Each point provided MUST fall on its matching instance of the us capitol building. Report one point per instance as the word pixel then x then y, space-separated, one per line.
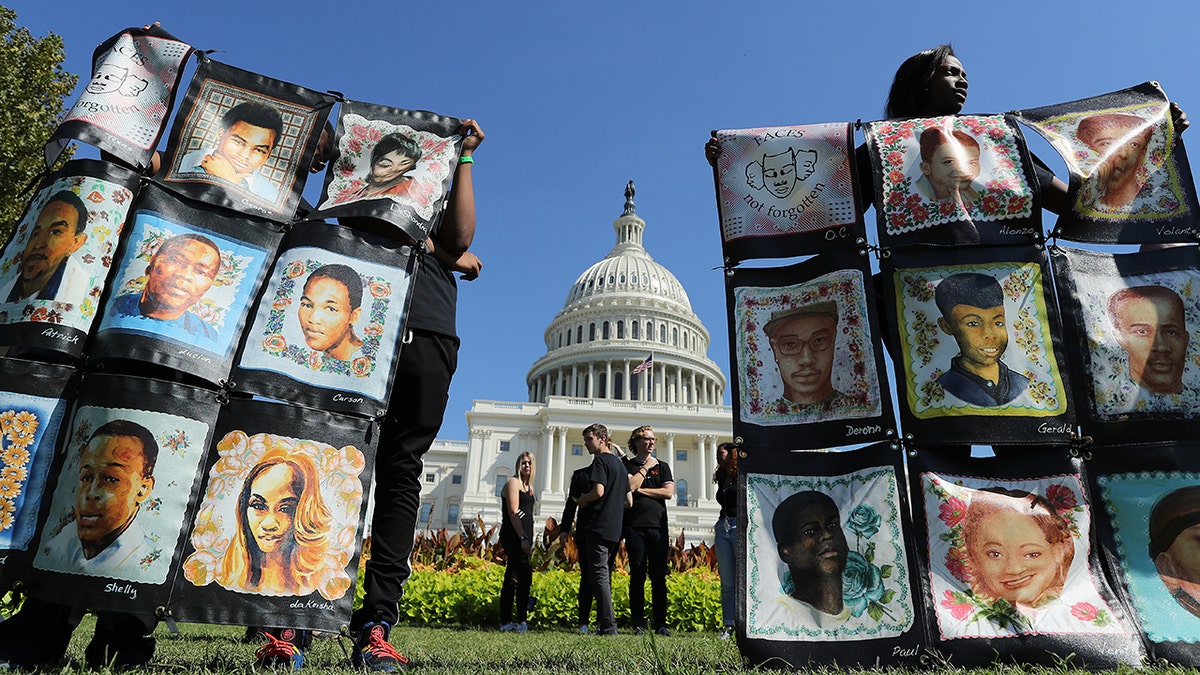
pixel 619 311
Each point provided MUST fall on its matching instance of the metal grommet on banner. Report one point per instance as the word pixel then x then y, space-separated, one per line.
pixel 163 614
pixel 1081 446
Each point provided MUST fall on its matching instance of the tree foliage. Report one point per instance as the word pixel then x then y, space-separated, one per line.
pixel 33 86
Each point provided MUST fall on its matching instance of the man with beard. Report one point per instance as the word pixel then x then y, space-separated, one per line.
pixel 972 308
pixel 44 268
pixel 802 341
pixel 1151 329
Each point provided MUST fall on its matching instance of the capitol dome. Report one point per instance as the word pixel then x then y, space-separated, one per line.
pixel 620 311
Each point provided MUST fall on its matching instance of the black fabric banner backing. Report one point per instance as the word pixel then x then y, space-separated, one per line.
pixel 829 565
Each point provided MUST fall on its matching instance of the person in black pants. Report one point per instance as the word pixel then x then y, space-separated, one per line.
pixel 602 508
pixel 427 362
pixel 646 538
pixel 516 538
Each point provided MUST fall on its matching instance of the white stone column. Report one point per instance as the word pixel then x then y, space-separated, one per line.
pixel 546 461
pixel 677 470
pixel 706 454
pixel 695 396
pixel 628 393
pixel 560 464
pixel 608 383
pixel 591 388
pixel 574 381
pixel 559 389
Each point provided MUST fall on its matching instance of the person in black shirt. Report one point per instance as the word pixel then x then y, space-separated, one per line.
pixel 646 539
pixel 602 509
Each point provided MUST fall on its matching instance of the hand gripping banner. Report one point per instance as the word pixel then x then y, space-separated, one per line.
pixel 394 165
pixel 124 109
pixel 828 574
pixel 805 341
pixel 786 191
pixel 56 265
pixel 129 468
pixel 1133 331
pixel 278 532
pixel 961 179
pixel 328 328
pixel 1148 516
pixel 185 279
pixel 33 403
pixel 980 347
pixel 244 141
pixel 1011 565
pixel 1130 178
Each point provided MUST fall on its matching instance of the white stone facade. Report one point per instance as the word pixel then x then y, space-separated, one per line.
pixel 621 310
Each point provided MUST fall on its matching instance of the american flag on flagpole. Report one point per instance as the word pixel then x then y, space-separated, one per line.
pixel 644 365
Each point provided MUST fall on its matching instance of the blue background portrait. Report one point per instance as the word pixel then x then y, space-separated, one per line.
pixel 222 306
pixel 49 414
pixel 1129 499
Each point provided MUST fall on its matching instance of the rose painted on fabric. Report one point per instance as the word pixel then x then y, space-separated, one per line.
pixel 1085 611
pixel 1061 497
pixel 896 199
pixel 862 583
pixel 1016 204
pixel 361 366
pixel 275 344
pixel 373 330
pixel 295 269
pixel 380 289
pixel 354 145
pixel 375 135
pixel 953 511
pixel 990 204
pixel 200 568
pixel 896 158
pixel 959 608
pixel 359 131
pixel 316 359
pixel 895 175
pixel 919 212
pixel 864 521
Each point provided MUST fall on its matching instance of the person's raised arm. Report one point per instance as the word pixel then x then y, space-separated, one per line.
pixel 458 227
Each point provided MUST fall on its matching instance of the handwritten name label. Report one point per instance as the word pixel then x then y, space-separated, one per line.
pixel 1047 428
pixel 127 589
pixel 859 431
pixel 902 651
pixel 59 335
pixel 312 604
pixel 1027 231
pixel 195 356
pixel 340 398
pixel 1165 231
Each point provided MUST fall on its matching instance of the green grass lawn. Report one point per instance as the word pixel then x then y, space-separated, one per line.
pixel 473 651
pixel 470 651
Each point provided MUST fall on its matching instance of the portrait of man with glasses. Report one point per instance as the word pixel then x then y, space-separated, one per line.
pixel 802 340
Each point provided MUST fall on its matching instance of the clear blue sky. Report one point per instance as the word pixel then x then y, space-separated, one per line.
pixel 578 98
